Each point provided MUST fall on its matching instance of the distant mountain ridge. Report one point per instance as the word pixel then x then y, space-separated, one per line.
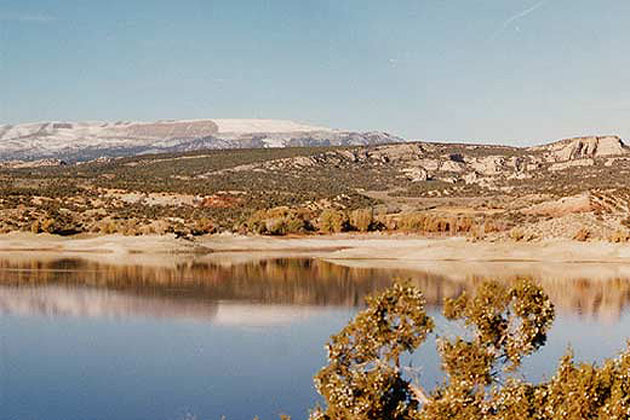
pixel 76 141
pixel 88 140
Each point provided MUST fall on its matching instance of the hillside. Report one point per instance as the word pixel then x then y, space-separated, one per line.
pixel 77 141
pixel 574 188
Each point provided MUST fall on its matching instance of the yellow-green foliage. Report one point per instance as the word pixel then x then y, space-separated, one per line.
pixel 582 235
pixel 279 221
pixel 204 226
pixel 48 226
pixel 362 219
pixel 333 221
pixel 621 235
pixel 36 226
pixel 434 223
pixel 363 379
pixel 490 226
pixel 517 234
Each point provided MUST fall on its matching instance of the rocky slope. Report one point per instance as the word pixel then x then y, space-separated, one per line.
pixel 492 167
pixel 89 140
pixel 582 148
pixel 571 188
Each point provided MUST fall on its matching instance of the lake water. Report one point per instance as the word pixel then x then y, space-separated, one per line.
pixel 202 339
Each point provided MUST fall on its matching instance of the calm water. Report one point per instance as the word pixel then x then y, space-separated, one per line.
pixel 199 340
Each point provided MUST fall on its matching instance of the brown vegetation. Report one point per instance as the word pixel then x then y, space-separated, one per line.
pixel 582 235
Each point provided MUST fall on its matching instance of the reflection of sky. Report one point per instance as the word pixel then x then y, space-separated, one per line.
pixel 86 302
pixel 71 368
pixel 591 340
pixel 251 315
pixel 81 368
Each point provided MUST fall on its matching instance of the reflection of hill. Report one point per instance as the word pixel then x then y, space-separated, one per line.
pixel 606 300
pixel 195 286
pixel 282 281
pixel 595 290
pixel 90 302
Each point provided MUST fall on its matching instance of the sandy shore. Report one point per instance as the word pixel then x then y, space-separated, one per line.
pixel 413 249
pixel 371 247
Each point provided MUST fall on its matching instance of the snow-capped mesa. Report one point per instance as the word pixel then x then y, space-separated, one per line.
pixel 250 126
pixel 76 141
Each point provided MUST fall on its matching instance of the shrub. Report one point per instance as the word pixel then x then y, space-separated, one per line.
pixel 279 221
pixel 362 219
pixel 434 223
pixel 364 380
pixel 582 235
pixel 48 226
pixel 477 232
pixel 275 226
pixel 333 221
pixel 411 222
pixel 36 226
pixel 108 227
pixel 620 236
pixel 491 226
pixel 297 224
pixel 516 234
pixel 203 226
pixel 465 224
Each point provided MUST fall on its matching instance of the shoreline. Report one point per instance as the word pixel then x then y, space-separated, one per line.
pixel 348 247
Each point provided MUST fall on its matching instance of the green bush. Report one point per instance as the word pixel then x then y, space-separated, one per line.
pixel 364 380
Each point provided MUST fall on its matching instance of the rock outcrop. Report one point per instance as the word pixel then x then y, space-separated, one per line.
pixel 582 148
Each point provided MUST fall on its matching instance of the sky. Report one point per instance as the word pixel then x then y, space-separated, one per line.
pixel 493 71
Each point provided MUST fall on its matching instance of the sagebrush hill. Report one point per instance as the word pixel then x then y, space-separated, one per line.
pixel 575 189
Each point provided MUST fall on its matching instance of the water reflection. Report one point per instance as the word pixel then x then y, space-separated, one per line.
pixel 273 289
pixel 85 336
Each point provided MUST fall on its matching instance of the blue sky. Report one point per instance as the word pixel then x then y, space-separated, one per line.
pixel 501 71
